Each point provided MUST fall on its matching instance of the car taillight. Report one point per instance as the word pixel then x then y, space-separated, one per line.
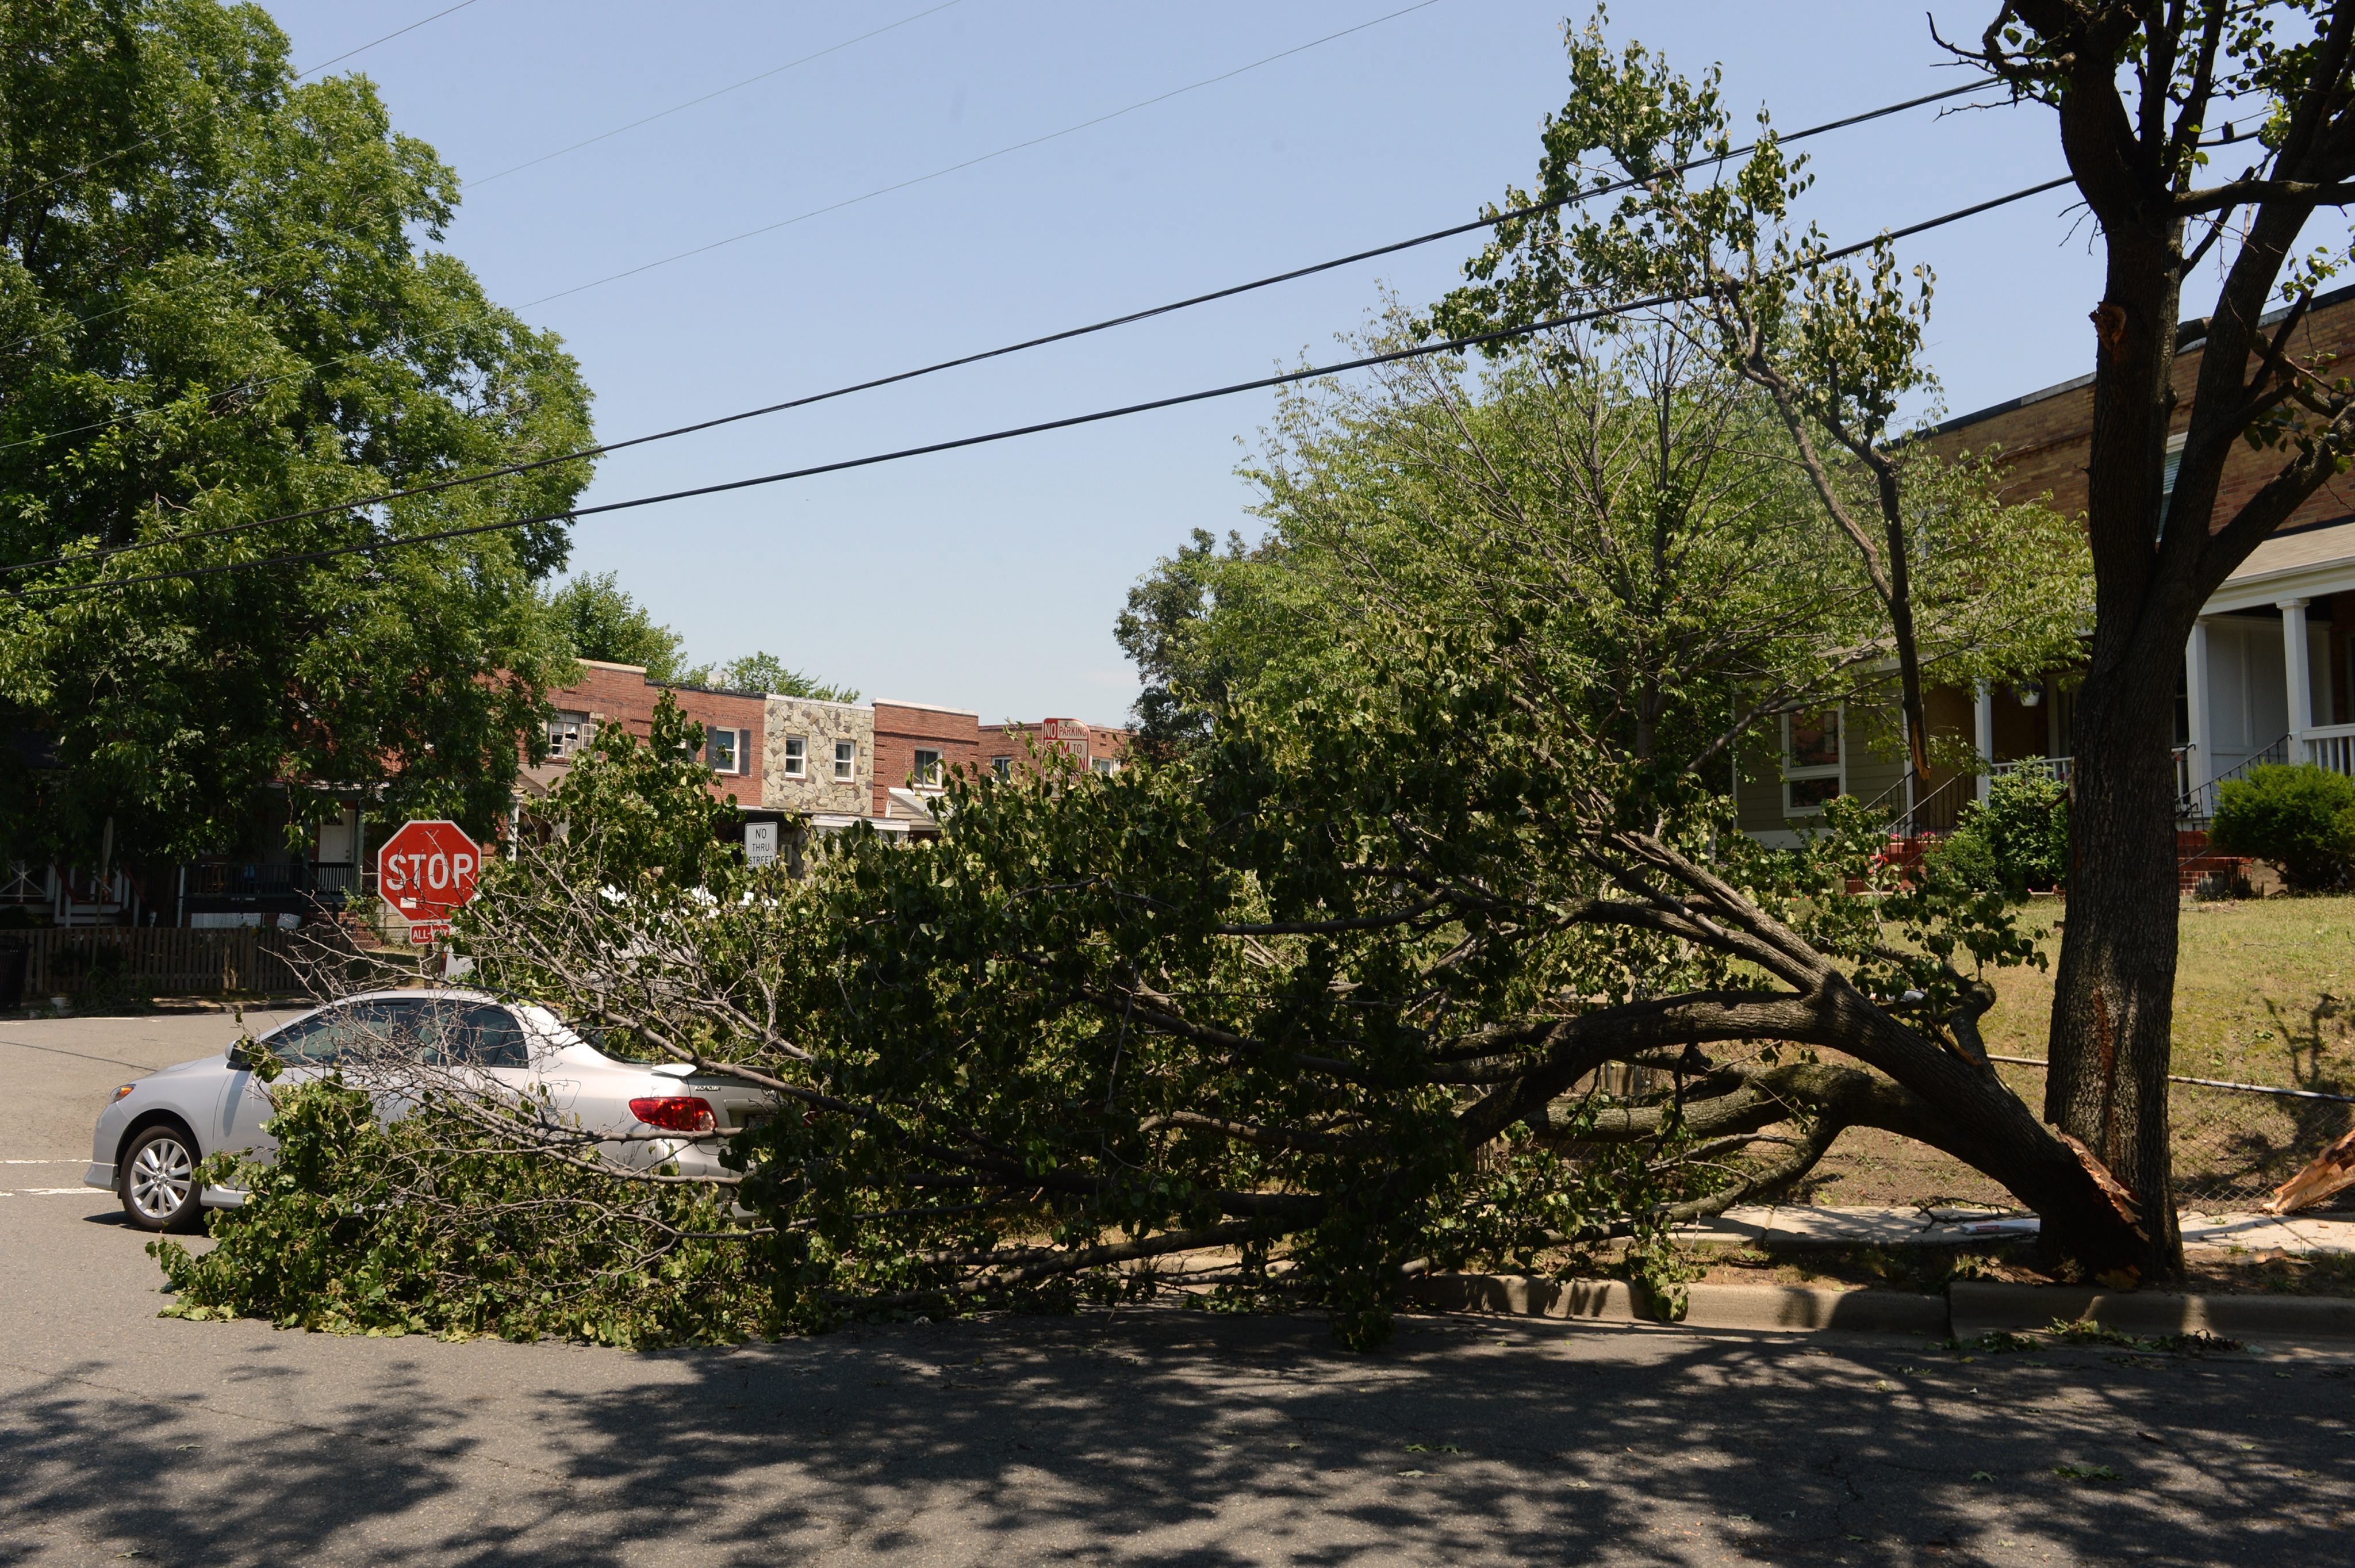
pixel 676 1113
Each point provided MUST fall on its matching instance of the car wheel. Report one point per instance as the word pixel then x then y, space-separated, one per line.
pixel 159 1180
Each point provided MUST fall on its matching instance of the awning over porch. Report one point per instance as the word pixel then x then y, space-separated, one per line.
pixel 2311 563
pixel 2265 667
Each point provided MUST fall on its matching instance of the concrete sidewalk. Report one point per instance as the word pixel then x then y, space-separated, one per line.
pixel 1797 1226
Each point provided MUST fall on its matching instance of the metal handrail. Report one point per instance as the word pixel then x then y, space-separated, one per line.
pixel 2205 1082
pixel 250 880
pixel 2200 804
pixel 1940 810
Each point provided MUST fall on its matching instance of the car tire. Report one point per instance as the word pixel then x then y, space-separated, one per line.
pixel 159 1181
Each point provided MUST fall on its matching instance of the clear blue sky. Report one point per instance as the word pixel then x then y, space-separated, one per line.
pixel 990 579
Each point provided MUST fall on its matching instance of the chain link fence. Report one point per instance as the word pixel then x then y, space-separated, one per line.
pixel 2235 1143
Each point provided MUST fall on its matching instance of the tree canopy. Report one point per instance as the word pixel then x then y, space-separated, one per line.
pixel 603 622
pixel 222 302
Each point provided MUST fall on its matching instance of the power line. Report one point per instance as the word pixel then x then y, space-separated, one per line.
pixel 372 43
pixel 983 158
pixel 1070 421
pixel 313 71
pixel 748 234
pixel 937 367
pixel 716 92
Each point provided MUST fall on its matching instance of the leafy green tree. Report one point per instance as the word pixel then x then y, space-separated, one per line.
pixel 1181 628
pixel 1834 348
pixel 359 1228
pixel 631 811
pixel 221 304
pixel 1327 982
pixel 767 674
pixel 601 621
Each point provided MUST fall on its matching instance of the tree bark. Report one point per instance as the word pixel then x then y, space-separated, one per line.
pixel 2113 997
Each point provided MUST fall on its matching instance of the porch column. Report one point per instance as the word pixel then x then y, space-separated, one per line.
pixel 2201 714
pixel 2299 674
pixel 1983 724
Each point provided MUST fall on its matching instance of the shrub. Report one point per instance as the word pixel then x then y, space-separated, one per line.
pixel 2019 839
pixel 2300 817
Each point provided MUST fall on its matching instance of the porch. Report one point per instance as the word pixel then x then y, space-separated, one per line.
pixel 2269 670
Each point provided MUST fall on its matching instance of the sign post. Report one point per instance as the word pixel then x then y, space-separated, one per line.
pixel 425 871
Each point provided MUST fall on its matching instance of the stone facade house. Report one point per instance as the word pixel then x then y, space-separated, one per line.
pixel 818 760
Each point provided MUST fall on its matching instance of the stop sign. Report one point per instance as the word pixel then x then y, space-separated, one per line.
pixel 426 870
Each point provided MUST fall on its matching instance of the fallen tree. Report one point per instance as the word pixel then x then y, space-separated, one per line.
pixel 1323 995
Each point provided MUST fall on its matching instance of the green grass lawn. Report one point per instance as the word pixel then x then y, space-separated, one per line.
pixel 2262 993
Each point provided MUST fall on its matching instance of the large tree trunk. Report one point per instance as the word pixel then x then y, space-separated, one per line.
pixel 2113 997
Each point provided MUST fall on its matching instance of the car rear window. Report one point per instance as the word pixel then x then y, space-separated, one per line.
pixel 472 1035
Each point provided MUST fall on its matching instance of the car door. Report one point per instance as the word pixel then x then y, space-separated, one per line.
pixel 307 1050
pixel 475 1038
pixel 245 1098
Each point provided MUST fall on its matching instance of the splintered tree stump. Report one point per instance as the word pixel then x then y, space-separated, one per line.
pixel 2331 1171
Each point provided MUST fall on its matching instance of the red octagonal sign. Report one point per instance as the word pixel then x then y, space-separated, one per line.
pixel 426 870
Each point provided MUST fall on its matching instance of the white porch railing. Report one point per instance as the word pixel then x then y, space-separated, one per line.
pixel 2054 768
pixel 2330 746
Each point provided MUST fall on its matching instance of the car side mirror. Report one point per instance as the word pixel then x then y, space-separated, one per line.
pixel 239 1056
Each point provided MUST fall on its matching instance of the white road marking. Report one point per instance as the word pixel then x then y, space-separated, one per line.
pixel 42 1162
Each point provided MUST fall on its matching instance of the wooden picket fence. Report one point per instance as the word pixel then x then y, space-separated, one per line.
pixel 159 960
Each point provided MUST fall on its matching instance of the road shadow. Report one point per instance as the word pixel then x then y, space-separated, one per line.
pixel 1169 1438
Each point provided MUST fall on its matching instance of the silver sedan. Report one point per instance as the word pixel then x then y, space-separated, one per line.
pixel 151 1139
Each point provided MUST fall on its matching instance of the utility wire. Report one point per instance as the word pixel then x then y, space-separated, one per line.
pixel 716 92
pixel 841 465
pixel 134 146
pixel 766 229
pixel 372 43
pixel 982 158
pixel 1065 334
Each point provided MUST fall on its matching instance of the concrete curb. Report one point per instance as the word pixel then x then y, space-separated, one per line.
pixel 1778 1306
pixel 1970 1307
pixel 1985 1307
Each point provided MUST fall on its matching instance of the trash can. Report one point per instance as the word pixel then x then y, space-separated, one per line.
pixel 14 957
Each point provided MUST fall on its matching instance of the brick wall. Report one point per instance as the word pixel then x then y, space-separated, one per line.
pixel 1088 742
pixel 902 729
pixel 621 694
pixel 2045 437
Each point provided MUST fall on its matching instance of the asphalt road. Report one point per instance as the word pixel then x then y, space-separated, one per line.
pixel 1145 1437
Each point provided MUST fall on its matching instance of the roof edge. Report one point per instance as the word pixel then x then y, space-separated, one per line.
pixel 2330 297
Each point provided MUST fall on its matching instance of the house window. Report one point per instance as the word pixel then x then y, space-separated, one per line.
pixel 724 750
pixel 846 759
pixel 796 756
pixel 1002 766
pixel 927 770
pixel 1812 760
pixel 568 733
pixel 1104 765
